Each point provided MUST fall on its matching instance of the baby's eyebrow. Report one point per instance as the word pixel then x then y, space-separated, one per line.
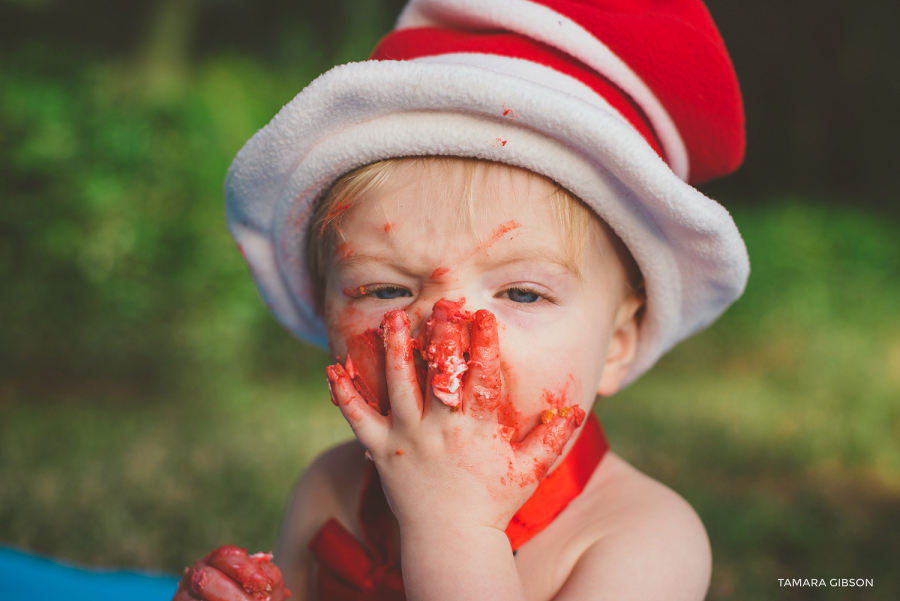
pixel 410 266
pixel 356 259
pixel 353 258
pixel 534 255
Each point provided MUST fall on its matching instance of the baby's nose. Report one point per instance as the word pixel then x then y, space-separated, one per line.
pixel 423 308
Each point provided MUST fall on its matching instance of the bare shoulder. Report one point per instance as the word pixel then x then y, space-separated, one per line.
pixel 331 481
pixel 638 539
pixel 329 488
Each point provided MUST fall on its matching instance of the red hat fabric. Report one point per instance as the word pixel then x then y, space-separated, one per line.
pixel 662 65
pixel 619 101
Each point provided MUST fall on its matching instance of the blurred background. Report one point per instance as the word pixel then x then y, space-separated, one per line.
pixel 151 409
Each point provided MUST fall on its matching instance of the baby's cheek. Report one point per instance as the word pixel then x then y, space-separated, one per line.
pixel 365 364
pixel 537 384
pixel 343 323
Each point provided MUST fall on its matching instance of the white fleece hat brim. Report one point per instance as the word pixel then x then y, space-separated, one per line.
pixel 689 250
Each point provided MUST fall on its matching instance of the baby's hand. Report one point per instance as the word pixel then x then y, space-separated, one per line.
pixel 442 451
pixel 229 574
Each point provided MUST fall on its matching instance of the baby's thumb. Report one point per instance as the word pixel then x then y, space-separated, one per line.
pixel 548 439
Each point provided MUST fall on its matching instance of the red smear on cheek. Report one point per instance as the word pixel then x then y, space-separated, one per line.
pixel 438 272
pixel 553 401
pixel 388 227
pixel 348 321
pixel 365 365
pixel 343 250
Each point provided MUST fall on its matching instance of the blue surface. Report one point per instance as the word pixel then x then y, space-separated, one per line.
pixel 35 578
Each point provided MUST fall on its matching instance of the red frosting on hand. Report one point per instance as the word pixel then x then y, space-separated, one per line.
pixel 484 358
pixel 456 353
pixel 365 364
pixel 229 574
pixel 444 344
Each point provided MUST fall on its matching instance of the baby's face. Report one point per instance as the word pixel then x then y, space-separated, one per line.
pixel 409 244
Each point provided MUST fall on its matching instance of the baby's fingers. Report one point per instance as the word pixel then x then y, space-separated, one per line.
pixel 403 387
pixel 367 423
pixel 247 570
pixel 279 591
pixel 208 583
pixel 546 442
pixel 484 386
pixel 444 345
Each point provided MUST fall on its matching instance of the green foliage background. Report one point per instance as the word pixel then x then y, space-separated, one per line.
pixel 150 408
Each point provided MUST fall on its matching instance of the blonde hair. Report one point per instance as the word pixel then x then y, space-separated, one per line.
pixel 573 217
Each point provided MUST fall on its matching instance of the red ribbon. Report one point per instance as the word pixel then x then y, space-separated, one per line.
pixel 560 486
pixel 349 571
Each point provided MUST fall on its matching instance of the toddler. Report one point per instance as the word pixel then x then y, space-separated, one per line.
pixel 489 225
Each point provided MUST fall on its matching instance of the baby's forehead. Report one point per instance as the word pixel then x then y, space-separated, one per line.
pixel 473 184
pixel 463 188
pixel 478 203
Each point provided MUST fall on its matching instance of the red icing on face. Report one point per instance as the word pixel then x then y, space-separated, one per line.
pixel 365 365
pixel 355 292
pixel 336 211
pixel 438 273
pixel 343 250
pixel 504 228
pixel 501 231
pixel 553 401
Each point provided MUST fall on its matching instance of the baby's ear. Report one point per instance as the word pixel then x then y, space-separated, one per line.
pixel 622 346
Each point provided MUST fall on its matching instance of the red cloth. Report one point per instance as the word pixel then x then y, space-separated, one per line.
pixel 351 571
pixel 673 46
pixel 406 44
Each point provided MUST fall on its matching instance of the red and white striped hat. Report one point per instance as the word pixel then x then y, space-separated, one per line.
pixel 622 102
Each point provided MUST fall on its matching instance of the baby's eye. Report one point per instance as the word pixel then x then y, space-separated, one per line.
pixel 522 295
pixel 388 292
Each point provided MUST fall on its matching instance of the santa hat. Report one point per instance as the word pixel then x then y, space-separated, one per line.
pixel 622 102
